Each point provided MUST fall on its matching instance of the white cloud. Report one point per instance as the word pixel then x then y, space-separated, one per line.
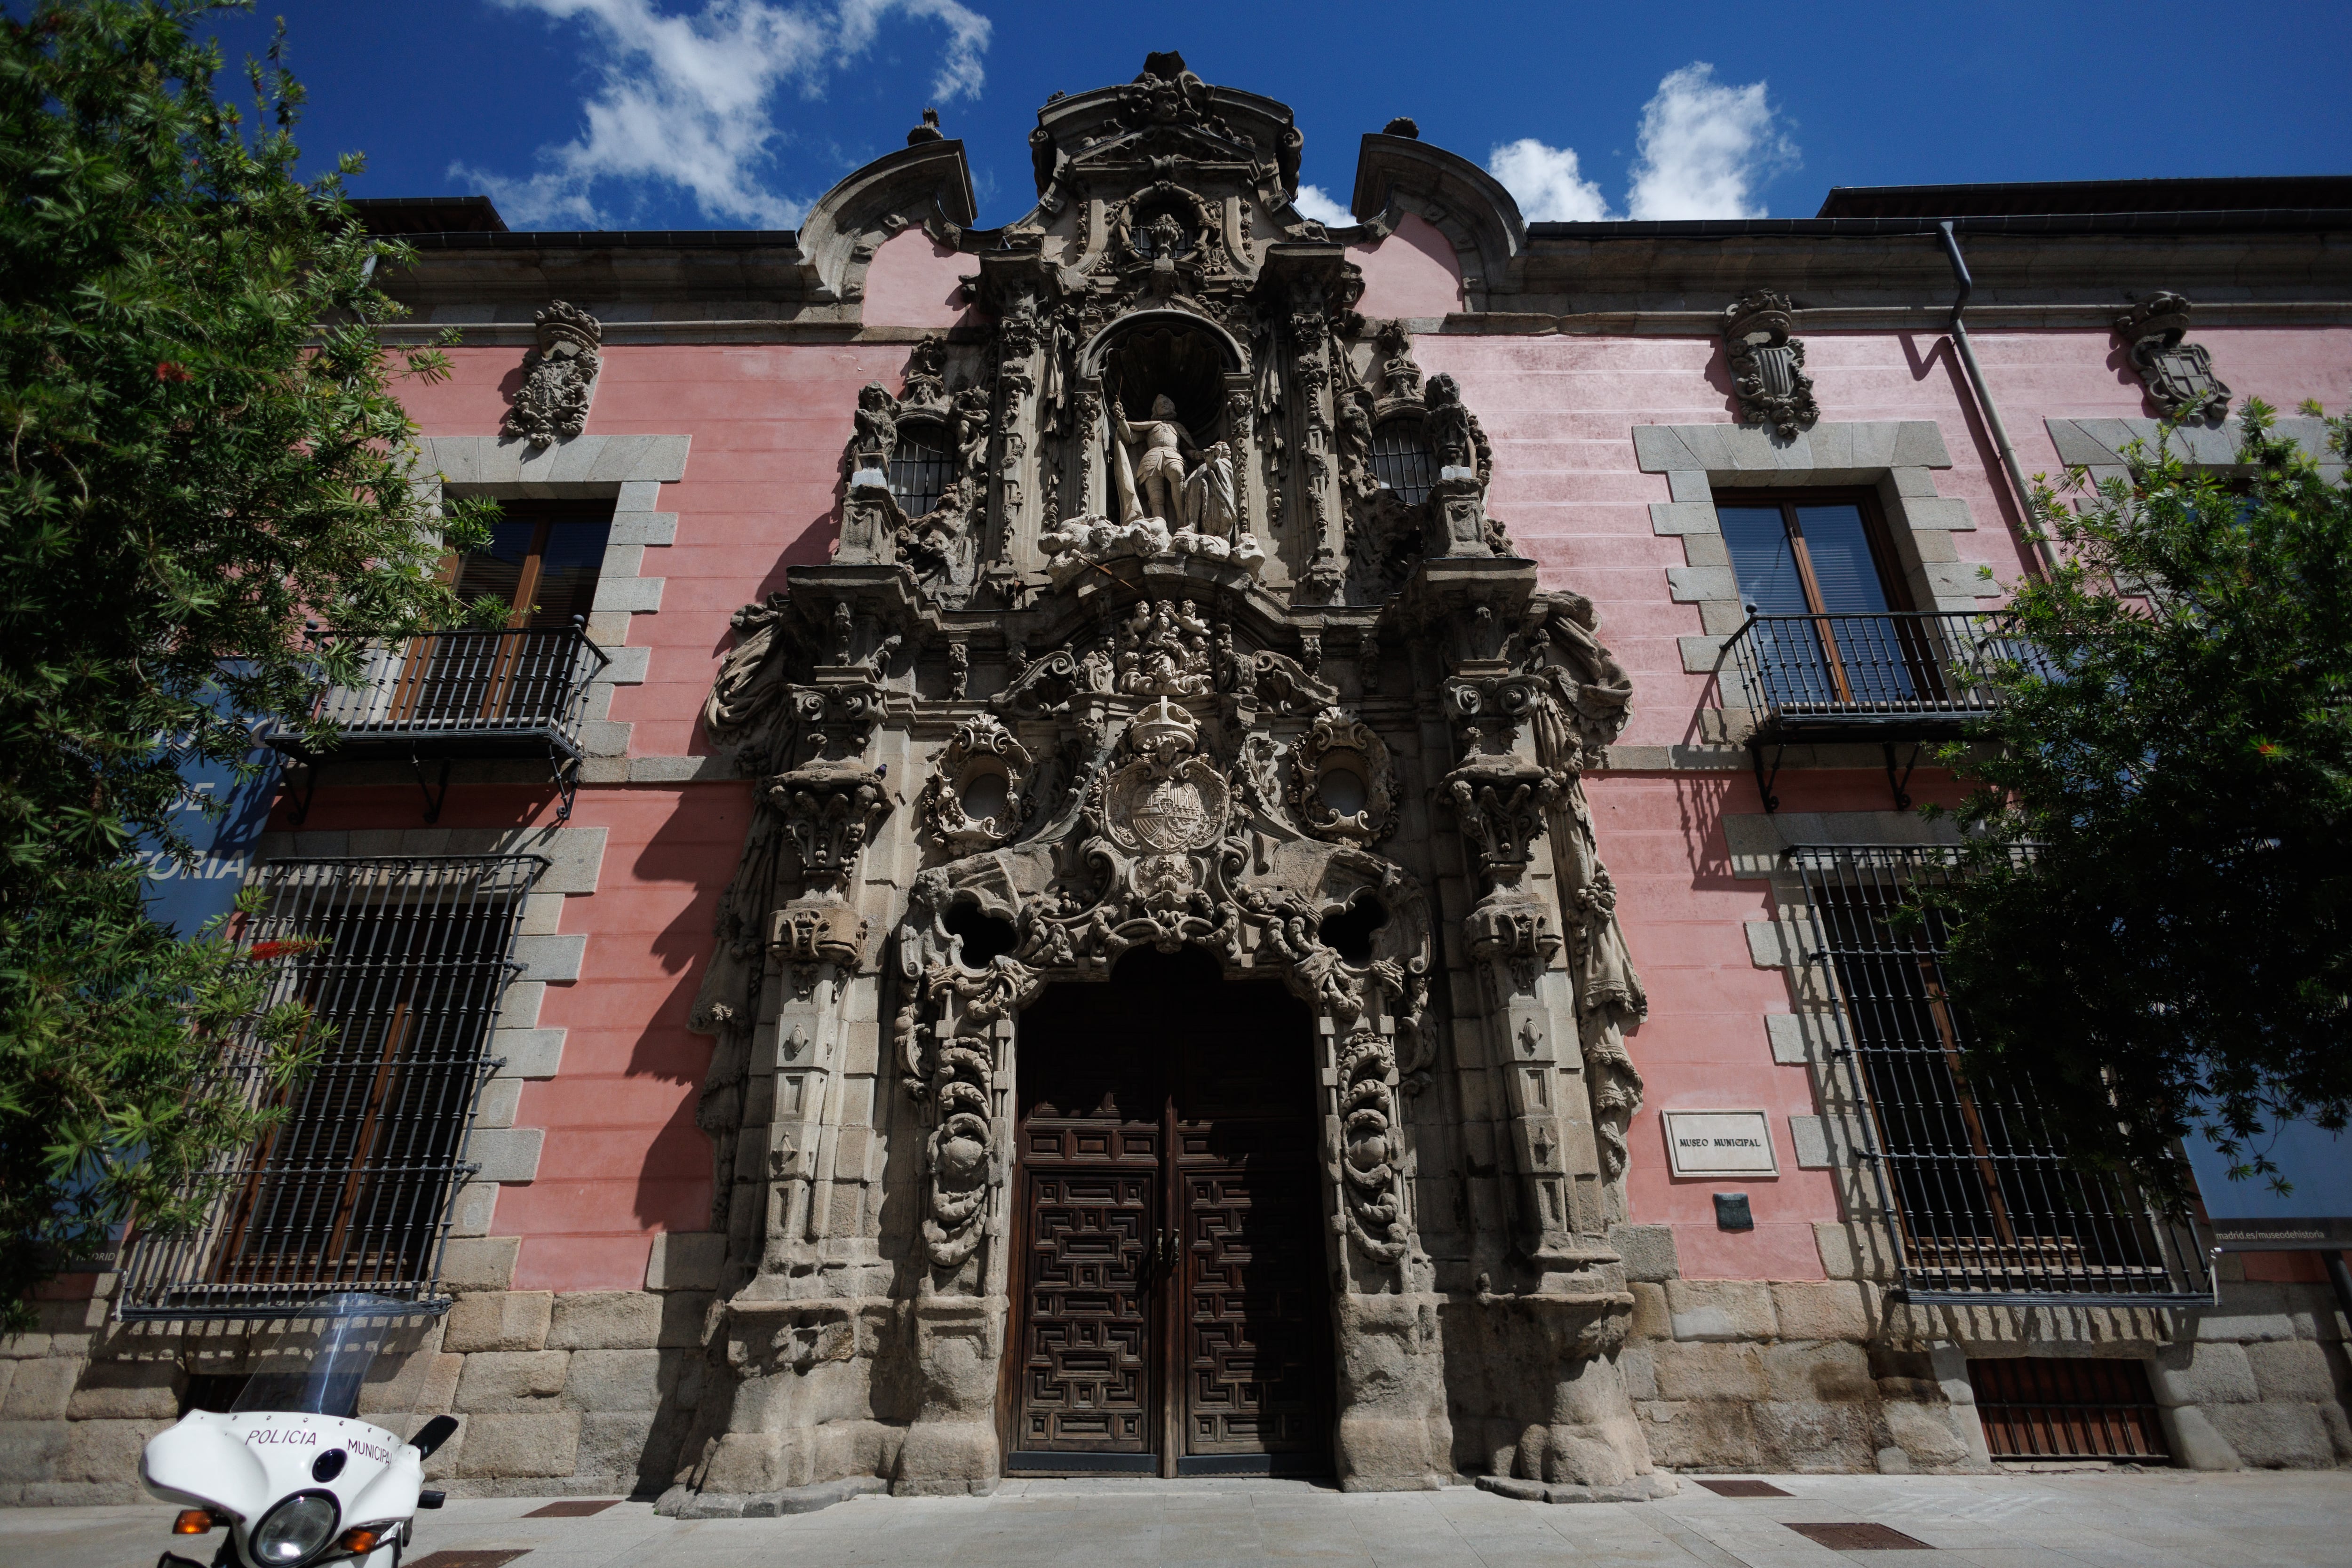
pixel 1546 183
pixel 1703 148
pixel 1314 204
pixel 684 99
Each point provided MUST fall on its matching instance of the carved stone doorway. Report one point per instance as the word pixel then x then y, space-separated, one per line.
pixel 1171 1304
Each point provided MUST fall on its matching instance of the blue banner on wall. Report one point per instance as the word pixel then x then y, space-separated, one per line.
pixel 185 897
pixel 2250 1216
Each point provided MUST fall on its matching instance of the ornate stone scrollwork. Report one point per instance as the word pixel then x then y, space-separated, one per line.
pixel 559 377
pixel 1369 1157
pixel 2179 375
pixel 976 796
pixel 1767 365
pixel 1343 782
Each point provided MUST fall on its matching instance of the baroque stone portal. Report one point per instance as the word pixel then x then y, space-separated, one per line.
pixel 1197 684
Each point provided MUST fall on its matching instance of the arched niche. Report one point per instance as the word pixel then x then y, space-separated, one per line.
pixel 1148 353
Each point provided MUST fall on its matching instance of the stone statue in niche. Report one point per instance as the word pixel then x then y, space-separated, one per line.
pixel 877 426
pixel 1211 505
pixel 939 546
pixel 1152 484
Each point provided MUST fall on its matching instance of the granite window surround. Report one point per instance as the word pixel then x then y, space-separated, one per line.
pixel 629 470
pixel 1896 458
pixel 2097 445
pixel 1808 1034
pixel 575 856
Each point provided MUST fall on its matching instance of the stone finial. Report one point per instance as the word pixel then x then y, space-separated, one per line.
pixel 2179 375
pixel 1402 125
pixel 929 131
pixel 1767 365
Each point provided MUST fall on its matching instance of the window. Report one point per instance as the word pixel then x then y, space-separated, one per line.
pixel 920 469
pixel 1829 628
pixel 1400 459
pixel 1982 1204
pixel 2067 1407
pixel 1811 557
pixel 352 1190
pixel 541 561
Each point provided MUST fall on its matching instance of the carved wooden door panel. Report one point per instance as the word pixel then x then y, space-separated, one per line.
pixel 1256 1364
pixel 1171 1311
pixel 1090 1143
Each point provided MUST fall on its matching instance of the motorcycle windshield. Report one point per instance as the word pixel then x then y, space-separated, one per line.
pixel 316 1365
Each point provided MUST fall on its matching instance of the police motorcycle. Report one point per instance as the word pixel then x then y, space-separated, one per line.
pixel 289 1471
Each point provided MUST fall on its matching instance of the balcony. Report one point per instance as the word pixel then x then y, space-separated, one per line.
pixel 1891 676
pixel 445 697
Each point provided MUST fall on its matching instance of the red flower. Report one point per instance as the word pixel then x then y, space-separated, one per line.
pixel 170 369
pixel 275 949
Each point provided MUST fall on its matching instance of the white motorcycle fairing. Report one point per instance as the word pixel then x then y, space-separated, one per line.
pixel 245 1465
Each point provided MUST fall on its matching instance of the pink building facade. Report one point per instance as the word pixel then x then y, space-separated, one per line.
pixel 1509 702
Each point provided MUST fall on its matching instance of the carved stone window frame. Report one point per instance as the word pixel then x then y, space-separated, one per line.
pixel 630 471
pixel 1894 459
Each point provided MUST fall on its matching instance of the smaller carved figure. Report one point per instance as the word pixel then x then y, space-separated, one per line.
pixel 558 375
pixel 926 367
pixel 968 427
pixel 1154 487
pixel 1400 377
pixel 1355 435
pixel 1210 506
pixel 876 431
pixel 937 545
pixel 1451 430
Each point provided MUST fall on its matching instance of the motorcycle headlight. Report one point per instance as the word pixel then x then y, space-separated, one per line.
pixel 294 1530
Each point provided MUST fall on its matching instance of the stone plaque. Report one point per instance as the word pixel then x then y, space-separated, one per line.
pixel 1720 1144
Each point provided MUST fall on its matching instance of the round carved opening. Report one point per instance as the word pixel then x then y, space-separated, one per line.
pixel 987 797
pixel 1340 785
pixel 1186 364
pixel 1348 933
pixel 985 936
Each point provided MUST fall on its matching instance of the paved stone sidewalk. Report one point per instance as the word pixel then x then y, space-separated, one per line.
pixel 2120 1520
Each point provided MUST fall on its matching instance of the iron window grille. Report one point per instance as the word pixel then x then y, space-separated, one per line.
pixel 1977 1196
pixel 445 696
pixel 354 1190
pixel 1400 459
pixel 918 471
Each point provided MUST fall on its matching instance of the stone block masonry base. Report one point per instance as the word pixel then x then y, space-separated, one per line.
pixel 1829 1375
pixel 594 1393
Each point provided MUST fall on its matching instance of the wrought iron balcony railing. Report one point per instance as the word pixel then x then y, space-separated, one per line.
pixel 447 696
pixel 1886 676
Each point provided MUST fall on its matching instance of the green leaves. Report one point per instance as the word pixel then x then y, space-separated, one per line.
pixel 2175 957
pixel 192 466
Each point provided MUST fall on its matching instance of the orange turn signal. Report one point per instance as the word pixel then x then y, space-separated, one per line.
pixel 193 1521
pixel 362 1540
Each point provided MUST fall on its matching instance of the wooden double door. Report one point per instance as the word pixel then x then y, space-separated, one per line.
pixel 1171 1308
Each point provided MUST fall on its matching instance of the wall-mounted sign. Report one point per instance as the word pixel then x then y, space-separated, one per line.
pixel 2248 1214
pixel 1720 1144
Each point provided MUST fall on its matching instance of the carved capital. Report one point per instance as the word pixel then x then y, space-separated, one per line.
pixel 830 809
pixel 1501 804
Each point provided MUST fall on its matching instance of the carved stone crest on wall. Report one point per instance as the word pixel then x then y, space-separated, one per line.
pixel 1343 783
pixel 1167 800
pixel 2179 375
pixel 1767 365
pixel 559 377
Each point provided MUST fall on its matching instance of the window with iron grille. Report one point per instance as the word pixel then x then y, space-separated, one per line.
pixel 1400 459
pixel 352 1190
pixel 918 468
pixel 1981 1204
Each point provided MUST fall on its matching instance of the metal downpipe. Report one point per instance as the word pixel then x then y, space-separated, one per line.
pixel 1984 396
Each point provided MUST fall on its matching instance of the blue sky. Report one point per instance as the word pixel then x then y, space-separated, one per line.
pixel 738 113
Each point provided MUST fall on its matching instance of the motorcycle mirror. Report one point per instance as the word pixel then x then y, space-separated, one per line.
pixel 433 1434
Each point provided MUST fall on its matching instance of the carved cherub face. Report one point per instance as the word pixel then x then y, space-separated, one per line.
pixel 1163 407
pixel 874 397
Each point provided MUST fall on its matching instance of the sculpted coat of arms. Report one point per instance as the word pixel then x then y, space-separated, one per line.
pixel 1167 800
